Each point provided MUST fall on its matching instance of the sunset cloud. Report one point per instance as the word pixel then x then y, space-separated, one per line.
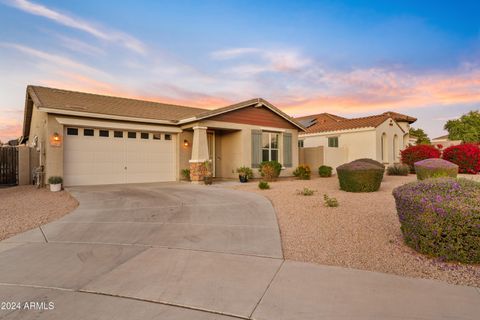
pixel 101 33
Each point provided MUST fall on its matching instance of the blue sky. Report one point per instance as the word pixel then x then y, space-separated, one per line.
pixel 351 58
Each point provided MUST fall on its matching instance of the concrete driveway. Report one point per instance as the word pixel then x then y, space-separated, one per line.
pixel 177 251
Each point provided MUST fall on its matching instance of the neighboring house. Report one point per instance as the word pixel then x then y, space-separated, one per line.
pixel 379 137
pixel 445 142
pixel 93 139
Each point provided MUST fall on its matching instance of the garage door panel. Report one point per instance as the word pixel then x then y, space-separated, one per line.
pixel 109 160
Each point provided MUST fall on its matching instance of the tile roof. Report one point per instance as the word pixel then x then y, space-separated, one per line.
pixel 109 105
pixel 82 102
pixel 325 122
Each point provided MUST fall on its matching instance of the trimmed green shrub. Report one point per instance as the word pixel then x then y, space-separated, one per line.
pixel 186 174
pixel 270 170
pixel 435 168
pixel 330 202
pixel 441 217
pixel 398 170
pixel 325 171
pixel 417 153
pixel 371 161
pixel 359 176
pixel 306 192
pixel 302 172
pixel 55 180
pixel 263 185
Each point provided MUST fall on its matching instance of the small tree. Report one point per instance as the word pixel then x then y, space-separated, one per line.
pixel 422 137
pixel 467 128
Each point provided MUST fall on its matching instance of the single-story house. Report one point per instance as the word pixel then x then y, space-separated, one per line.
pixel 91 139
pixel 445 142
pixel 379 137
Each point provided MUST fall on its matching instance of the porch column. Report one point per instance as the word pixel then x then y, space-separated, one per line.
pixel 199 154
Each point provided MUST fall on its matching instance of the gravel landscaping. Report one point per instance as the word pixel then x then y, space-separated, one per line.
pixel 362 233
pixel 26 207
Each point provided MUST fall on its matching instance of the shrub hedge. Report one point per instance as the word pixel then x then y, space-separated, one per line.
pixel 435 168
pixel 371 161
pixel 414 154
pixel 466 156
pixel 325 171
pixel 398 170
pixel 441 217
pixel 270 170
pixel 263 185
pixel 360 176
pixel 302 172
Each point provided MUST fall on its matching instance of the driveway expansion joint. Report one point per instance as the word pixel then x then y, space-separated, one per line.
pixel 266 289
pixel 43 233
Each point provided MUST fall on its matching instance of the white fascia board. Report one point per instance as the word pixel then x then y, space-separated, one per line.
pixel 78 122
pixel 103 116
pixel 329 133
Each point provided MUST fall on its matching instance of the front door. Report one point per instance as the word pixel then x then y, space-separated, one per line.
pixel 211 149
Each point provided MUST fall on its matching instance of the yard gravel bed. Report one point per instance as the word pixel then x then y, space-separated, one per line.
pixel 362 233
pixel 25 207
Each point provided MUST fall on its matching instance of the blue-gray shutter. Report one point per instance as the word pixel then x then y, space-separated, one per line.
pixel 256 148
pixel 287 149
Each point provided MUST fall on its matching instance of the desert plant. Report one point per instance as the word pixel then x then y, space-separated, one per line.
pixel 466 156
pixel 306 192
pixel 263 185
pixel 398 170
pixel 417 153
pixel 302 172
pixel 270 170
pixel 55 180
pixel 245 171
pixel 325 171
pixel 371 161
pixel 330 202
pixel 435 168
pixel 186 174
pixel 359 176
pixel 441 217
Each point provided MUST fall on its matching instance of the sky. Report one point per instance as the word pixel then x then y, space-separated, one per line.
pixel 352 58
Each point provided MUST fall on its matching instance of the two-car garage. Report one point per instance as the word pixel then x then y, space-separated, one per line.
pixel 93 156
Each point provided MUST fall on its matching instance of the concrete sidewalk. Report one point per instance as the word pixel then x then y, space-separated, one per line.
pixel 89 267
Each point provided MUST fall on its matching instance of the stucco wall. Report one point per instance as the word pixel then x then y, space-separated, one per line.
pixel 390 131
pixel 355 144
pixel 54 158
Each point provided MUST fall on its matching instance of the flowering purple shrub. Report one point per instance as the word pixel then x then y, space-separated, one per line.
pixel 435 168
pixel 441 217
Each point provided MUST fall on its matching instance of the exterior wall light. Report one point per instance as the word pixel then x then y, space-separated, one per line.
pixel 185 143
pixel 55 140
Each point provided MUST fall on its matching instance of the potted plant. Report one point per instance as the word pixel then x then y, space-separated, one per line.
pixel 244 173
pixel 186 174
pixel 208 177
pixel 55 183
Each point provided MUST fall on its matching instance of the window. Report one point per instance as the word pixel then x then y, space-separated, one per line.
pixel 88 132
pixel 270 142
pixel 333 142
pixel 300 143
pixel 168 137
pixel 118 134
pixel 103 133
pixel 144 135
pixel 157 136
pixel 72 131
pixel 132 135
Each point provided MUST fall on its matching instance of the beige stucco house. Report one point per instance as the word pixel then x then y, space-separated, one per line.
pixel 91 139
pixel 379 137
pixel 445 142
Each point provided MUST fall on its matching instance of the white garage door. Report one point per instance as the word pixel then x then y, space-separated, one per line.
pixel 97 156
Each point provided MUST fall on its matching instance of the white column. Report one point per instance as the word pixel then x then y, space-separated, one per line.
pixel 199 145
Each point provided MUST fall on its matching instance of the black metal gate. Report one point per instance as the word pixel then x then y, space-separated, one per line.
pixel 8 166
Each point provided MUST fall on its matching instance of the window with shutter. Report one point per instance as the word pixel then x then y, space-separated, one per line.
pixel 287 150
pixel 256 148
